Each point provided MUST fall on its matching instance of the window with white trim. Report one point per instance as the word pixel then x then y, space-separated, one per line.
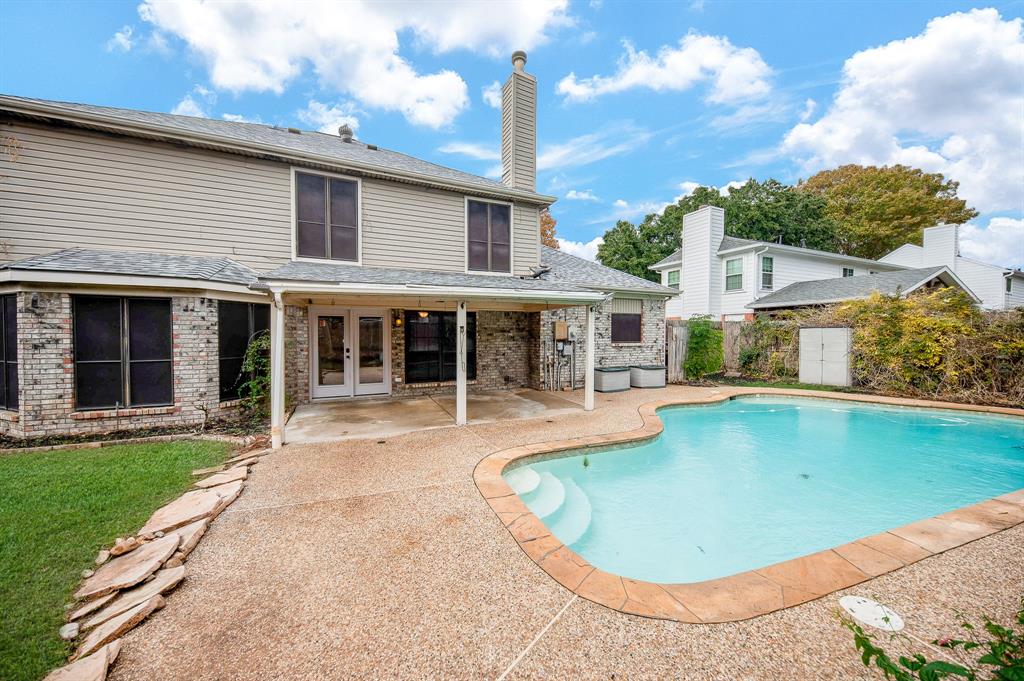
pixel 1009 284
pixel 847 271
pixel 326 217
pixel 734 274
pixel 673 278
pixel 767 272
pixel 488 236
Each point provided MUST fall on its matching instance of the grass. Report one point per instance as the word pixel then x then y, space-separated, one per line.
pixel 57 510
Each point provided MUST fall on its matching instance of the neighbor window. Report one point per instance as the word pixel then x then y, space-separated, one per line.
pixel 1009 285
pixel 237 324
pixel 734 274
pixel 767 272
pixel 847 271
pixel 489 236
pixel 8 352
pixel 627 320
pixel 673 278
pixel 326 217
pixel 430 352
pixel 122 351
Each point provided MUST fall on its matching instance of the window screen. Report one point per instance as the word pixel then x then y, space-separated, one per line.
pixel 8 352
pixel 237 324
pixel 489 236
pixel 326 217
pixel 430 350
pixel 122 351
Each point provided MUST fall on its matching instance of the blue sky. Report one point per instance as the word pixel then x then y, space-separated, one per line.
pixel 638 102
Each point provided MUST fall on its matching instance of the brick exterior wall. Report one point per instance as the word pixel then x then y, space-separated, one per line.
pixel 46 372
pixel 296 355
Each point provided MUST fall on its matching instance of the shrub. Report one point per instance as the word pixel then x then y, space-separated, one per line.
pixel 255 390
pixel 705 353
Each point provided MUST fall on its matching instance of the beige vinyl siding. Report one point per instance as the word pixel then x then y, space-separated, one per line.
pixel 518 131
pixel 75 188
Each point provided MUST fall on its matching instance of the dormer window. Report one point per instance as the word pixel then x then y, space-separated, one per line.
pixel 326 217
pixel 488 237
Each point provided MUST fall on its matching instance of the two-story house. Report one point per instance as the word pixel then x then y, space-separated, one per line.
pixel 142 251
pixel 730 278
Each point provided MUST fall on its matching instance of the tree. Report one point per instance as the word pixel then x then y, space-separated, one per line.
pixel 547 229
pixel 623 250
pixel 877 210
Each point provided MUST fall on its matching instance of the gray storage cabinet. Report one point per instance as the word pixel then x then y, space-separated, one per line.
pixel 611 379
pixel 825 356
pixel 647 376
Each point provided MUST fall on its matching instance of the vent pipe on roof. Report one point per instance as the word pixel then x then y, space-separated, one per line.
pixel 345 132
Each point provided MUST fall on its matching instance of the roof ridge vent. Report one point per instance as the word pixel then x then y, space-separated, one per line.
pixel 295 131
pixel 345 132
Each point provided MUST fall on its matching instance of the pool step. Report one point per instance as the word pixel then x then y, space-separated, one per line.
pixel 547 497
pixel 523 480
pixel 573 518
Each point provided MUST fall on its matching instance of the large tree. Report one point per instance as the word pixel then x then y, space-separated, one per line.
pixel 547 229
pixel 876 210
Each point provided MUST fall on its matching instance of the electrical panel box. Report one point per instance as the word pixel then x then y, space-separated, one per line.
pixel 561 331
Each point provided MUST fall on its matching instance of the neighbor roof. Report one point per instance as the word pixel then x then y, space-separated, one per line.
pixel 140 264
pixel 568 268
pixel 822 291
pixel 732 243
pixel 313 146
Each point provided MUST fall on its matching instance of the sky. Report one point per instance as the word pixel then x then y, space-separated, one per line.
pixel 638 103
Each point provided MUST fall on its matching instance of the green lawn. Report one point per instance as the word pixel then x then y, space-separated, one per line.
pixel 57 510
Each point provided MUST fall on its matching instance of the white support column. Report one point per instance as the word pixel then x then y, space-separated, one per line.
pixel 588 378
pixel 277 372
pixel 460 364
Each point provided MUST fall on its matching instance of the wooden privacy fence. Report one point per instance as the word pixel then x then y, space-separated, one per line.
pixel 676 337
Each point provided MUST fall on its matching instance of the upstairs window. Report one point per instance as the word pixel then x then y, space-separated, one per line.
pixel 734 274
pixel 1009 285
pixel 673 278
pixel 122 351
pixel 488 237
pixel 430 352
pixel 847 271
pixel 237 324
pixel 767 272
pixel 326 217
pixel 8 352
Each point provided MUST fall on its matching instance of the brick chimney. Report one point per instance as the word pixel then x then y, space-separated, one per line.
pixel 519 127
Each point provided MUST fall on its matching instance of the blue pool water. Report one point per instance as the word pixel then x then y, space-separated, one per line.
pixel 754 481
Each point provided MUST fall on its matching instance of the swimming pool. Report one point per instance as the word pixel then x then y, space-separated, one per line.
pixel 753 481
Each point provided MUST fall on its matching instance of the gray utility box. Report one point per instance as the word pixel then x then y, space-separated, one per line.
pixel 647 376
pixel 611 379
pixel 825 356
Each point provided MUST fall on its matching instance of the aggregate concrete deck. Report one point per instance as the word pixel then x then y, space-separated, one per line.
pixel 355 559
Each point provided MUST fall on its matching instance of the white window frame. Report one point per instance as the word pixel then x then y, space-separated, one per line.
pixel 511 236
pixel 771 274
pixel 668 278
pixel 295 215
pixel 1009 284
pixel 852 272
pixel 727 275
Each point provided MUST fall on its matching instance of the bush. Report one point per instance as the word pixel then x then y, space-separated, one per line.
pixel 705 353
pixel 255 390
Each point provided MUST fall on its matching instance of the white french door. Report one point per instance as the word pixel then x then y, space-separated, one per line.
pixel 350 352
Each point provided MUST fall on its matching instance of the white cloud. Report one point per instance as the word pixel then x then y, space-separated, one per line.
pixel 735 74
pixel 353 47
pixel 584 195
pixel 121 40
pixel 592 147
pixel 580 249
pixel 749 116
pixel 1001 242
pixel 697 6
pixel 948 100
pixel 688 187
pixel 240 118
pixel 810 106
pixel 480 152
pixel 196 103
pixel 492 95
pixel 329 117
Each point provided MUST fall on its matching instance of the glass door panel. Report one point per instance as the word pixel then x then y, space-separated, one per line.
pixel 332 356
pixel 371 371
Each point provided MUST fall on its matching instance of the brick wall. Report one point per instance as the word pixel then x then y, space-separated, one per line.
pixel 296 354
pixel 46 371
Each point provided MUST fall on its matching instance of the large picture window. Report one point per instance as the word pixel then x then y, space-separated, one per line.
pixel 8 352
pixel 122 351
pixel 237 324
pixel 430 346
pixel 326 217
pixel 489 236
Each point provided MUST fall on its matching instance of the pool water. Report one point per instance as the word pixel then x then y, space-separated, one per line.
pixel 757 480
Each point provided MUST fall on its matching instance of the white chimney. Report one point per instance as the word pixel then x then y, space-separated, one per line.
pixel 701 276
pixel 519 127
pixel 941 246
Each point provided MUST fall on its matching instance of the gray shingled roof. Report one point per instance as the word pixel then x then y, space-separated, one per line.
pixel 727 243
pixel 570 269
pixel 139 264
pixel 823 291
pixel 673 259
pixel 269 136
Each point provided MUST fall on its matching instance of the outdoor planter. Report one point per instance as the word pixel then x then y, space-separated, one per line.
pixel 611 379
pixel 647 376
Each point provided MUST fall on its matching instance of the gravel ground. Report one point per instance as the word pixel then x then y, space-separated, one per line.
pixel 357 559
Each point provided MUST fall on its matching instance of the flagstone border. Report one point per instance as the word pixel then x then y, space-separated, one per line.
pixel 755 592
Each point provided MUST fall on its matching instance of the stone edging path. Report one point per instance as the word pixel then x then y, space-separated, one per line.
pixel 135 573
pixel 747 594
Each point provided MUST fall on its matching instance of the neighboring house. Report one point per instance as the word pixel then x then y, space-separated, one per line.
pixel 143 250
pixel 728 277
pixel 999 288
